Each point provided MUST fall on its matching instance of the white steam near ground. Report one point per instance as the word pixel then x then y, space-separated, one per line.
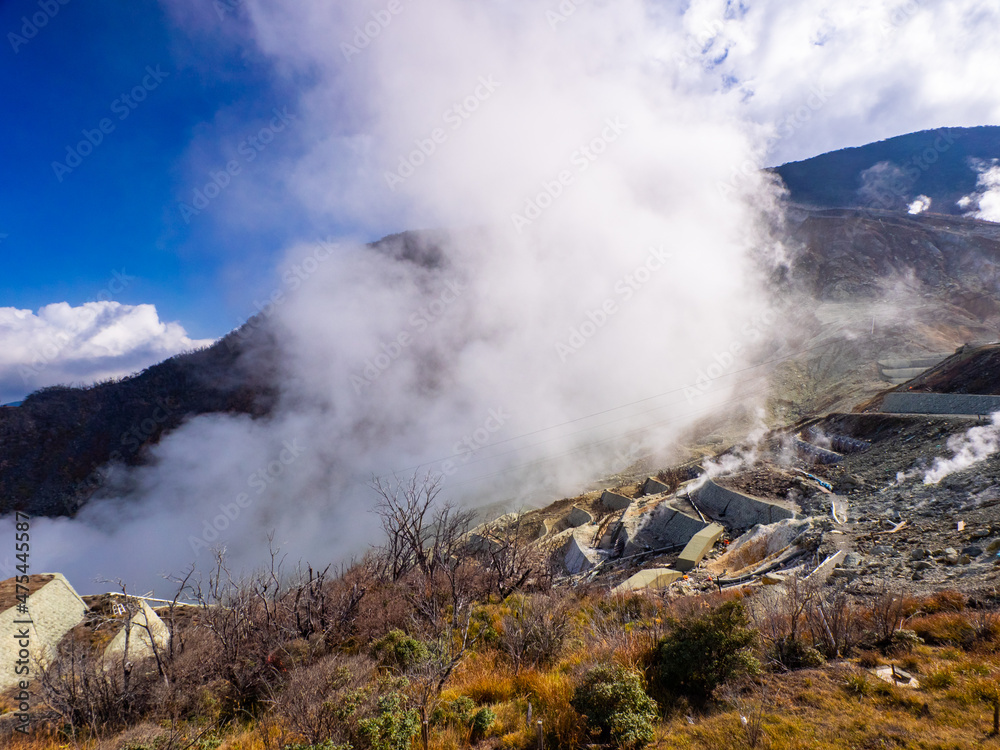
pixel 972 447
pixel 919 205
pixel 985 202
pixel 611 247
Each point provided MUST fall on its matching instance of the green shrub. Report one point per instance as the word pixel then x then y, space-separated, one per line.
pixel 392 727
pixel 617 708
pixel 457 712
pixel 793 653
pixel 326 745
pixel 701 652
pixel 481 723
pixel 400 651
pixel 903 641
pixel 859 685
pixel 939 679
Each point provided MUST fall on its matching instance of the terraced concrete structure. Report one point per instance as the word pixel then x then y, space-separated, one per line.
pixel 145 631
pixel 654 486
pixel 53 609
pixel 667 526
pixel 899 371
pixel 815 454
pixel 580 556
pixel 651 578
pixel 699 546
pixel 613 501
pixel 578 517
pixel 737 510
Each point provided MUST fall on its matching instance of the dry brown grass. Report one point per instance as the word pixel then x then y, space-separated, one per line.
pixel 812 709
pixel 841 704
pixel 944 629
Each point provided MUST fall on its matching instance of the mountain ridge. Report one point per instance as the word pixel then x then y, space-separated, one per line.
pixel 936 163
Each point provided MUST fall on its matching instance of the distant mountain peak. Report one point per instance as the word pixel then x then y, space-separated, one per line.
pixel 945 170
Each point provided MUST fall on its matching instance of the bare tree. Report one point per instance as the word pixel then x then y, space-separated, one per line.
pixel 508 555
pixel 888 612
pixel 242 617
pixel 836 622
pixel 426 539
pixel 86 694
pixel 453 642
pixel 420 533
pixel 781 616
pixel 175 644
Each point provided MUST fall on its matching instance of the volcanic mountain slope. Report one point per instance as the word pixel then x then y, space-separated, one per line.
pixel 861 285
pixel 52 446
pixel 940 164
pixel 900 501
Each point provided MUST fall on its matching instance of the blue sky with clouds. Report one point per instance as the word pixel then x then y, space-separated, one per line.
pixel 118 114
pixel 80 218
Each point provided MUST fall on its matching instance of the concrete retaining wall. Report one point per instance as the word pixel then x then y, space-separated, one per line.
pixel 899 371
pixel 654 487
pixel 612 501
pixel 145 623
pixel 815 454
pixel 939 403
pixel 668 526
pixel 54 610
pixel 826 567
pixel 578 517
pixel 901 364
pixel 580 556
pixel 737 510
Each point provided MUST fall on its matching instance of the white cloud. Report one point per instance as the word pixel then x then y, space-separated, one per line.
pixel 61 344
pixel 824 74
pixel 987 200
pixel 918 206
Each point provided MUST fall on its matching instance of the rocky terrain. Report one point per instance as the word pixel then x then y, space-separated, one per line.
pixel 868 488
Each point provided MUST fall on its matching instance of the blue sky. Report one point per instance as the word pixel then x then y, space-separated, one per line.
pixel 791 80
pixel 73 235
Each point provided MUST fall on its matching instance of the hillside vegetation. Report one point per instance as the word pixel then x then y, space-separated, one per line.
pixel 471 640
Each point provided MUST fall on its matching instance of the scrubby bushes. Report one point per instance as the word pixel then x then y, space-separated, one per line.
pixel 616 706
pixel 97 695
pixel 360 659
pixel 534 630
pixel 704 650
pixel 319 699
pixel 392 726
pixel 343 701
pixel 397 650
